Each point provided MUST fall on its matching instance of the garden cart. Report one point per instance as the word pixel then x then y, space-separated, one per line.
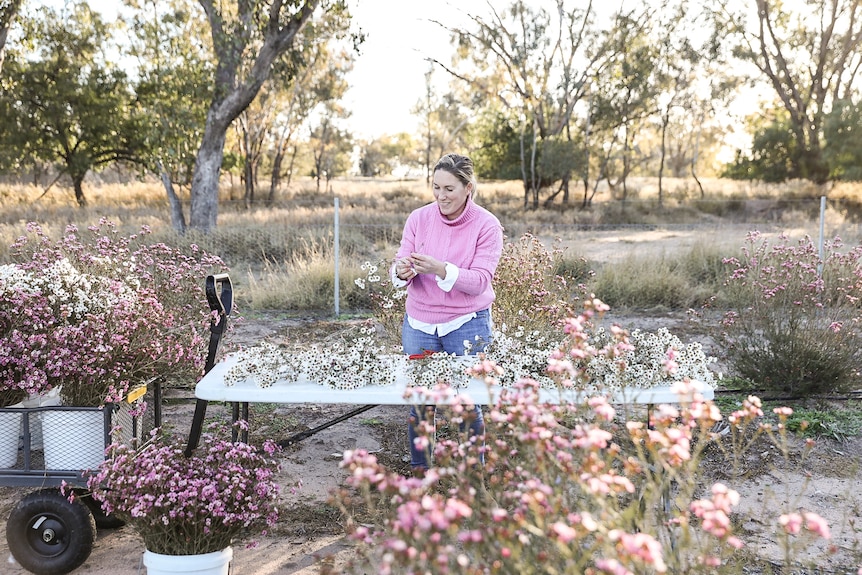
pixel 49 447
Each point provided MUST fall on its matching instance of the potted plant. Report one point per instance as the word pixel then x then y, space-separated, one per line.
pixel 189 510
pixel 96 314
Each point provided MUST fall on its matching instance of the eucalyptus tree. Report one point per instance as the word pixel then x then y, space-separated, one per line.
pixel 66 103
pixel 624 98
pixel 674 73
pixel 8 11
pixel 315 74
pixel 320 79
pixel 536 63
pixel 330 143
pixel 809 53
pixel 174 68
pixel 248 37
pixel 444 119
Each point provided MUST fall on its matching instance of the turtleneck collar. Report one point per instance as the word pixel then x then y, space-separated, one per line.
pixel 465 216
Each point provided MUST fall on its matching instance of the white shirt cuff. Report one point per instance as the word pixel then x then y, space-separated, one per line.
pixel 396 281
pixel 447 284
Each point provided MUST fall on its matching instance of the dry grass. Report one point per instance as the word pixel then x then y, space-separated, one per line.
pixel 282 255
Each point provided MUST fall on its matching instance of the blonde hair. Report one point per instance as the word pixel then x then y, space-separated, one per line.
pixel 459 166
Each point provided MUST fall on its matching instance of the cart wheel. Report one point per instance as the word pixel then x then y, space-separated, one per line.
pixel 103 520
pixel 47 534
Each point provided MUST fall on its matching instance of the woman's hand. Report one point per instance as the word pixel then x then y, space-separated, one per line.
pixel 424 264
pixel 404 269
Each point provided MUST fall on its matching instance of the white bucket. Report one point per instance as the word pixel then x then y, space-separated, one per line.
pixel 73 439
pixel 49 399
pixel 215 563
pixel 10 425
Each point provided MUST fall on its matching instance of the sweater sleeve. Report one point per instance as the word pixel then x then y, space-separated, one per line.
pixel 408 237
pixel 478 277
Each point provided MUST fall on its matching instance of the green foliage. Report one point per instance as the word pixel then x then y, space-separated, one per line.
pixel 173 87
pixel 382 155
pixel 840 424
pixel 497 156
pixel 66 104
pixel 773 150
pixel 842 131
pixel 560 158
pixel 792 324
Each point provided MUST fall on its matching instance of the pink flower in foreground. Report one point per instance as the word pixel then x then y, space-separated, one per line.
pixel 817 525
pixel 563 532
pixel 612 567
pixel 715 513
pixel 640 546
pixel 792 523
pixel 602 408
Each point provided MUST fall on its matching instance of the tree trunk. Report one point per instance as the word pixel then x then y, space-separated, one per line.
pixel 178 220
pixel 665 120
pixel 7 16
pixel 291 165
pixel 565 186
pixel 249 183
pixel 275 181
pixel 205 180
pixel 78 185
pixel 232 97
pixel 694 159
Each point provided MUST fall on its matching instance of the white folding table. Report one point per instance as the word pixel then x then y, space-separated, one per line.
pixel 212 388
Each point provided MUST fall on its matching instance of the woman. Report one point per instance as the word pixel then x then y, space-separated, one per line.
pixel 447 259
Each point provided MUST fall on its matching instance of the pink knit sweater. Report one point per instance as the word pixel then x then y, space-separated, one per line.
pixel 473 242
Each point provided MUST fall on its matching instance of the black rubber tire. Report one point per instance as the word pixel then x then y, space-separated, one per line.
pixel 47 534
pixel 103 521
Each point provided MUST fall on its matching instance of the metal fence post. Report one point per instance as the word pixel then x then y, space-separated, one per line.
pixel 335 251
pixel 820 244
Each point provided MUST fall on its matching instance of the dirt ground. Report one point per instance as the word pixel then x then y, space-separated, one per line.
pixel 827 482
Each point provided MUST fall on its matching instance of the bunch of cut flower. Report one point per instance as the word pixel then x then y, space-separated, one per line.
pixel 189 505
pixel 643 363
pixel 353 359
pixel 521 353
pixel 566 488
pixel 101 313
pixel 358 358
pixel 430 368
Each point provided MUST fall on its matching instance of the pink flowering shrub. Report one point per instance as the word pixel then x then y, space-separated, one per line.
pixel 793 322
pixel 97 313
pixel 531 293
pixel 189 505
pixel 564 488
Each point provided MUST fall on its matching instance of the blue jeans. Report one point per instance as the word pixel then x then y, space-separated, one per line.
pixel 414 341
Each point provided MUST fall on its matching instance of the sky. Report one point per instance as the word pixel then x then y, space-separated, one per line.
pixel 388 78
